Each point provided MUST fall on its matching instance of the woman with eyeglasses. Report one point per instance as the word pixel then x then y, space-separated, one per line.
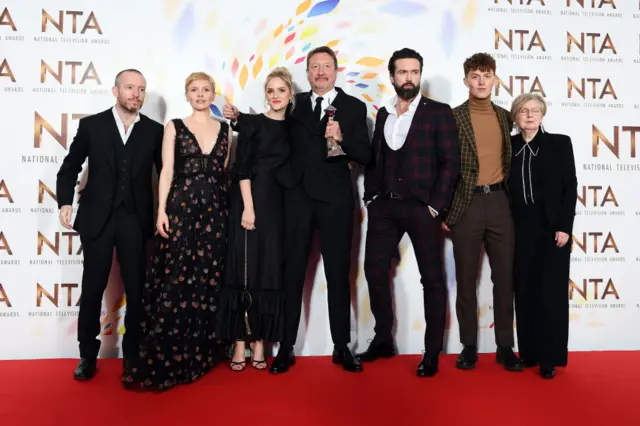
pixel 543 193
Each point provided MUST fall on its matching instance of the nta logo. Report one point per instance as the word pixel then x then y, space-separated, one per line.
pixel 598 136
pixel 75 16
pixel 527 40
pixel 598 89
pixel 74 68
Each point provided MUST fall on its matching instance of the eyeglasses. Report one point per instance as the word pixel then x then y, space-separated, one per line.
pixel 526 111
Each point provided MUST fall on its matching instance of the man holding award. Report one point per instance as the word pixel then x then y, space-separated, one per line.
pixel 327 131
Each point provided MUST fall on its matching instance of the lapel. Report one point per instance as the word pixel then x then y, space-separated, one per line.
pixel 542 165
pixel 417 121
pixel 338 103
pixel 467 127
pixel 134 143
pixel 304 112
pixel 503 120
pixel 378 136
pixel 111 137
pixel 504 123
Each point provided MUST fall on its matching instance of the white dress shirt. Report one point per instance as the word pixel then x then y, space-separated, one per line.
pixel 327 99
pixel 124 134
pixel 397 126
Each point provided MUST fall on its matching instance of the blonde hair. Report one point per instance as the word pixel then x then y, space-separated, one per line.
pixel 196 76
pixel 283 74
pixel 523 99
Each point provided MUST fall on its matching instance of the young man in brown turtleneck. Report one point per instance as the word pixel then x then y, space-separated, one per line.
pixel 480 213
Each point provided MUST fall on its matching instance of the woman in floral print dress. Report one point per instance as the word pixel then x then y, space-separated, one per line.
pixel 179 343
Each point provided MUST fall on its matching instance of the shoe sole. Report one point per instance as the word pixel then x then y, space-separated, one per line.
pixel 518 369
pixel 386 356
pixel 465 367
pixel 291 364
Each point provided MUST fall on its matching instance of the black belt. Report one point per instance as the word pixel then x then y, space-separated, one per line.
pixel 205 163
pixel 486 189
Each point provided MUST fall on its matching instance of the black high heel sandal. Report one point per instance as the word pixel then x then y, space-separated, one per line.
pixel 242 364
pixel 258 364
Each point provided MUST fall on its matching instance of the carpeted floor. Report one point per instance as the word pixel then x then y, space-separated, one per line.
pixel 597 388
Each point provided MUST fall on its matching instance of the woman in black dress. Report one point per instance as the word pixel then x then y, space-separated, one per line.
pixel 543 193
pixel 252 300
pixel 179 343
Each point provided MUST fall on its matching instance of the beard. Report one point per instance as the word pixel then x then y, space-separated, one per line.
pixel 407 91
pixel 130 107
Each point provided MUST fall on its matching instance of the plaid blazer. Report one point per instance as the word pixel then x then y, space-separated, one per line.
pixel 431 155
pixel 469 158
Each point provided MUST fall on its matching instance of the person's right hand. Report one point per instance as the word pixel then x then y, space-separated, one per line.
pixel 248 220
pixel 230 112
pixel 445 227
pixel 65 216
pixel 162 225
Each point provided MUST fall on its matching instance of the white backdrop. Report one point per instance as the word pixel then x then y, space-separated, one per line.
pixel 57 62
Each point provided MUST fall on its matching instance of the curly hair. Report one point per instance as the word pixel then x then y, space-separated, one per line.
pixel 481 62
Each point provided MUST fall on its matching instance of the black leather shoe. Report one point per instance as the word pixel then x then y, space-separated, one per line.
pixel 508 359
pixel 85 370
pixel 283 361
pixel 467 358
pixel 377 350
pixel 344 357
pixel 428 367
pixel 547 373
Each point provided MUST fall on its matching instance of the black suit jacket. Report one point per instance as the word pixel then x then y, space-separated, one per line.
pixel 554 180
pixel 95 139
pixel 324 179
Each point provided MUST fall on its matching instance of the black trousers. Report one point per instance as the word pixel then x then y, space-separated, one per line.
pixel 334 222
pixel 389 219
pixel 123 232
pixel 541 289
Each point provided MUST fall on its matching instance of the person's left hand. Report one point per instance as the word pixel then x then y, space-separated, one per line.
pixel 561 238
pixel 333 131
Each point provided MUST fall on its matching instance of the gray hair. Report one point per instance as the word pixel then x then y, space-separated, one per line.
pixel 117 79
pixel 523 99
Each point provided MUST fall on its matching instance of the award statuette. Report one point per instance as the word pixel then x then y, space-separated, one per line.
pixel 333 148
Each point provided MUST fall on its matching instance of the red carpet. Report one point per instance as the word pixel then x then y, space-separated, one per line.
pixel 598 388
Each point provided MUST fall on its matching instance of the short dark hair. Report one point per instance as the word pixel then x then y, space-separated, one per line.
pixel 405 53
pixel 117 79
pixel 480 61
pixel 323 49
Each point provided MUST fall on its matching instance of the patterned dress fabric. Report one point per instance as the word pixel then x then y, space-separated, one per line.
pixel 179 343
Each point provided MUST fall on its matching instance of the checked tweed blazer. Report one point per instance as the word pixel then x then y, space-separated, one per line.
pixel 469 158
pixel 431 158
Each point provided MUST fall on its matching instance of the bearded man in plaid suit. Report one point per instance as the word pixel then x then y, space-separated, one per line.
pixel 408 186
pixel 480 213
